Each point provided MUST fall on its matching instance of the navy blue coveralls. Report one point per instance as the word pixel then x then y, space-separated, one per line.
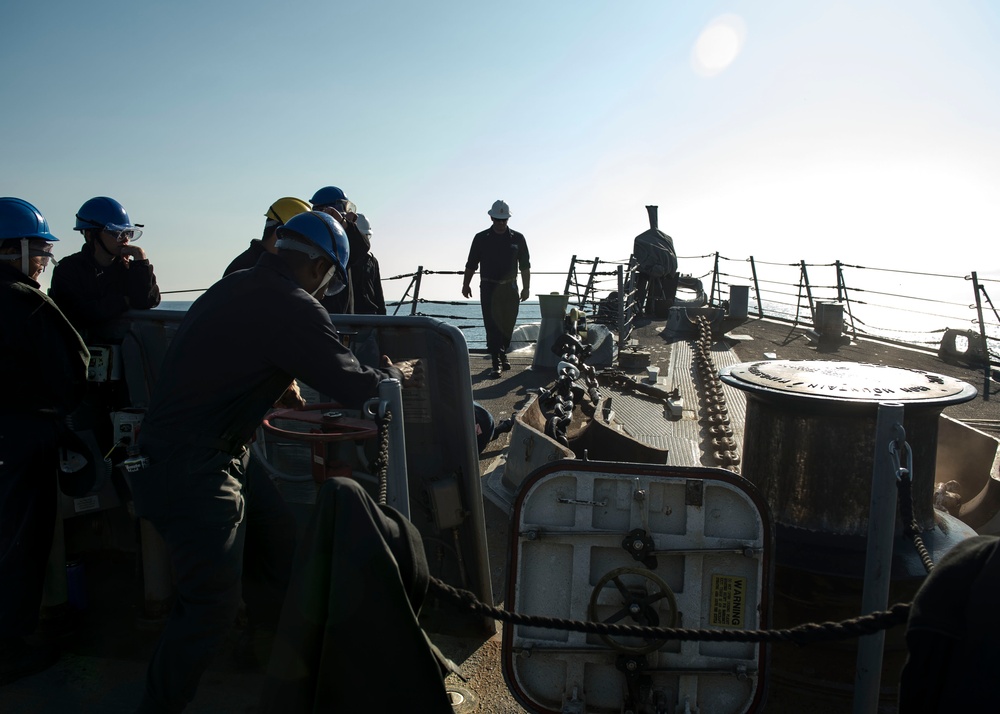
pixel 44 364
pixel 499 256
pixel 89 293
pixel 236 351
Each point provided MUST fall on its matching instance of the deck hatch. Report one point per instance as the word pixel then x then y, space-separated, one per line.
pixel 570 557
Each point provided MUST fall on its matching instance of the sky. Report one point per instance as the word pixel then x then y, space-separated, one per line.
pixel 866 131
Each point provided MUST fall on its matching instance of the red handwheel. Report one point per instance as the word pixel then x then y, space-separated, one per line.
pixel 330 424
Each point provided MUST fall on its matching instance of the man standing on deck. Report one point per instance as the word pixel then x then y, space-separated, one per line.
pixel 499 252
pixel 234 354
pixel 332 200
pixel 44 363
pixel 366 279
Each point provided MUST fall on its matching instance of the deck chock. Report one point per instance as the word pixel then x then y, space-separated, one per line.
pixel 963 346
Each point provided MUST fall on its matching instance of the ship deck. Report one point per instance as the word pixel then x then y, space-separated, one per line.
pixel 103 662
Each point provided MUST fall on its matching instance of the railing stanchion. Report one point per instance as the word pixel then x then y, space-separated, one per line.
pixel 621 308
pixel 571 276
pixel 416 289
pixel 756 288
pixel 715 278
pixel 982 334
pixel 588 294
pixel 804 282
pixel 878 563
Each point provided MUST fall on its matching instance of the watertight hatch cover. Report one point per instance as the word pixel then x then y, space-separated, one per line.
pixel 637 544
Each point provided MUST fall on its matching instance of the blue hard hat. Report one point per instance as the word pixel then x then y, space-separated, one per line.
pixel 327 196
pixel 19 219
pixel 320 230
pixel 103 213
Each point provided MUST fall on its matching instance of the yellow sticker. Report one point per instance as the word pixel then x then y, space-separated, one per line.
pixel 729 601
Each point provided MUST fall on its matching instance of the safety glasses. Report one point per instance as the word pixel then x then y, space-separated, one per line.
pixel 121 234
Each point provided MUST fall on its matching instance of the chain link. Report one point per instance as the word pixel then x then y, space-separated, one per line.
pixel 899 445
pixel 902 464
pixel 560 399
pixel 381 464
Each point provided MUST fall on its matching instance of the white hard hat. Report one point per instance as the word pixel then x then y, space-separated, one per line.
pixel 363 225
pixel 500 211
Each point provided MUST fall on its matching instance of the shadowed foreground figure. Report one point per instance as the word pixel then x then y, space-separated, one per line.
pixel 953 634
pixel 235 353
pixel 349 639
pixel 43 363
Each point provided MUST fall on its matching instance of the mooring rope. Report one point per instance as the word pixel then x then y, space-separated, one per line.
pixel 801 634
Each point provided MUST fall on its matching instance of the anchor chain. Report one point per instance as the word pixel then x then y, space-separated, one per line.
pixel 381 463
pixel 902 461
pixel 715 415
pixel 801 634
pixel 561 399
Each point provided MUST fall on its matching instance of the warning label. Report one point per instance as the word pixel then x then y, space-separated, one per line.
pixel 729 601
pixel 417 404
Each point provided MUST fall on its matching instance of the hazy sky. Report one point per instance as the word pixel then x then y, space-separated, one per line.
pixel 866 131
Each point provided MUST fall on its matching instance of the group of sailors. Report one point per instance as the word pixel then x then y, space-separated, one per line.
pixel 237 352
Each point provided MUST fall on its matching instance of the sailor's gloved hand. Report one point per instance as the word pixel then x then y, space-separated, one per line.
pixel 466 291
pixel 292 398
pixel 412 369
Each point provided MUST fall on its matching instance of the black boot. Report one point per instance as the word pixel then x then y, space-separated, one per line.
pixel 496 367
pixel 504 362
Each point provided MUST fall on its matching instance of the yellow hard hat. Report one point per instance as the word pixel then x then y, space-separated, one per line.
pixel 285 208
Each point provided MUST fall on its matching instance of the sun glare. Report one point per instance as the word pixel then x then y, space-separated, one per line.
pixel 718 45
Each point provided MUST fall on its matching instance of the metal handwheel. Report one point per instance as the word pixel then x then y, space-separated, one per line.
pixel 638 604
pixel 330 422
pixel 330 425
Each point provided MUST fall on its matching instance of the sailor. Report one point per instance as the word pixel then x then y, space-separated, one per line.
pixel 499 252
pixel 363 295
pixel 279 213
pixel 234 354
pixel 110 274
pixel 366 279
pixel 44 363
pixel 332 200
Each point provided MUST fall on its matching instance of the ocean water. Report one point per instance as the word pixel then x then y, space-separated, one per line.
pixel 467 316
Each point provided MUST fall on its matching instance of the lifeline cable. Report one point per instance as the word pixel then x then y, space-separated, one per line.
pixel 801 634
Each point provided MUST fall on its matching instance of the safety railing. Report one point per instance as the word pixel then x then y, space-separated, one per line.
pixel 933 311
pixel 593 286
pixel 921 309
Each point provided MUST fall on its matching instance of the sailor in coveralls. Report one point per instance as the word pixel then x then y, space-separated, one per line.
pixel 500 253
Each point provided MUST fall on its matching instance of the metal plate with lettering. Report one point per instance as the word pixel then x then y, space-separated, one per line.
pixel 846 381
pixel 728 601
